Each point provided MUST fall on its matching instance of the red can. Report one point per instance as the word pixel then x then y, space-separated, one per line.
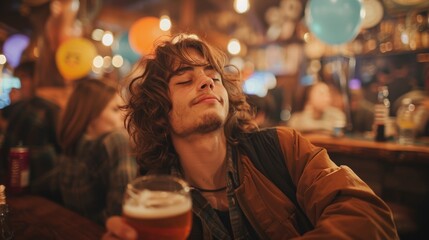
pixel 19 171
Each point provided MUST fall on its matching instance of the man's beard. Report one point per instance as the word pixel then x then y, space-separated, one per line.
pixel 209 123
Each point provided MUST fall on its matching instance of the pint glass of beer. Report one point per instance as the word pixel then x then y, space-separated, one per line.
pixel 158 207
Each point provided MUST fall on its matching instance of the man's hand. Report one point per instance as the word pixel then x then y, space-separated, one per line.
pixel 117 228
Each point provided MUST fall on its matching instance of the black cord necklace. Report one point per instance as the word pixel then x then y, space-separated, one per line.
pixel 210 190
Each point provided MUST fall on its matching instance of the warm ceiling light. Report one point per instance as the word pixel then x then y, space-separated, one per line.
pixel 97 34
pixel 107 61
pixel 107 39
pixel 165 23
pixel 117 61
pixel 241 6
pixel 98 61
pixel 234 46
pixel 2 59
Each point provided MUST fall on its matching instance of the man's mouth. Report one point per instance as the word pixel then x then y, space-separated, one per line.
pixel 206 99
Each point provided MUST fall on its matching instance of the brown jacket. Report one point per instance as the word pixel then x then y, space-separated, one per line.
pixel 337 202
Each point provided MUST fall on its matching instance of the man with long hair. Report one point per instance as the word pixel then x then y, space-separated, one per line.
pixel 188 117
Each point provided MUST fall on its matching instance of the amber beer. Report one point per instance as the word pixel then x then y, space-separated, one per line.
pixel 158 213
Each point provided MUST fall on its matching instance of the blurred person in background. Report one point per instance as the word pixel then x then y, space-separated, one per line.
pixel 401 82
pixel 25 73
pixel 381 78
pixel 96 163
pixel 362 111
pixel 31 121
pixel 318 114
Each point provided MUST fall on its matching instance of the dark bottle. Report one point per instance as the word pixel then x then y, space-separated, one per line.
pixel 5 230
pixel 381 114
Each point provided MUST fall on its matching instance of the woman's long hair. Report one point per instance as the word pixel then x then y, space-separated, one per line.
pixel 87 101
pixel 148 102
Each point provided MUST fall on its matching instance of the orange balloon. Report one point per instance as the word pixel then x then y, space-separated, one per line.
pixel 145 33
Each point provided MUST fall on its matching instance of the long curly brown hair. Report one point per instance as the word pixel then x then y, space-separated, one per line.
pixel 148 102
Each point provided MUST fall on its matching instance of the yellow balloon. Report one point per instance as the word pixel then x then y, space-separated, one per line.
pixel 74 58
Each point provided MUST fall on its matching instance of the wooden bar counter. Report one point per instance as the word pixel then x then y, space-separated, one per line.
pixel 399 174
pixel 384 151
pixel 388 167
pixel 33 217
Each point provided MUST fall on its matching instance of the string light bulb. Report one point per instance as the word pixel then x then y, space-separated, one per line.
pixel 3 59
pixel 241 6
pixel 165 23
pixel 234 46
pixel 107 39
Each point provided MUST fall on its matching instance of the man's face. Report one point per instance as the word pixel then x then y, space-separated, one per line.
pixel 199 99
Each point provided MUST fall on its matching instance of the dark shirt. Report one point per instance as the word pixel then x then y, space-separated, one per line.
pixel 224 218
pixel 208 223
pixel 93 178
pixel 33 124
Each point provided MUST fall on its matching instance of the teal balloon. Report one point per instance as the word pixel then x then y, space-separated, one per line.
pixel 334 21
pixel 123 48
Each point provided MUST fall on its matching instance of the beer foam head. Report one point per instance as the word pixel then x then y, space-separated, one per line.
pixel 156 204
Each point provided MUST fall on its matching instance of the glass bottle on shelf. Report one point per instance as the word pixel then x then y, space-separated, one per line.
pixel 423 20
pixel 381 114
pixel 5 230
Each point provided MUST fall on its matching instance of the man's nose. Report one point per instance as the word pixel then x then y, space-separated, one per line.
pixel 206 82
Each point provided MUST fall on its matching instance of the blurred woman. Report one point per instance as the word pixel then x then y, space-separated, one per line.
pixel 96 163
pixel 318 114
